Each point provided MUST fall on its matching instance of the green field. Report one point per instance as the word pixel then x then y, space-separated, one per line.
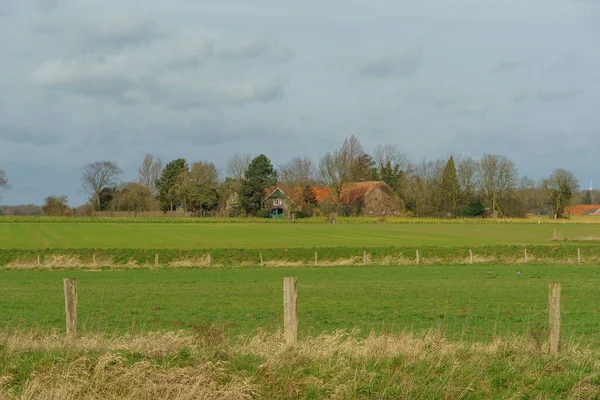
pixel 461 300
pixel 201 236
pixel 442 329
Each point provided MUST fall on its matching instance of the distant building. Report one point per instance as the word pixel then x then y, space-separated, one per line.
pixel 374 198
pixel 279 204
pixel 583 209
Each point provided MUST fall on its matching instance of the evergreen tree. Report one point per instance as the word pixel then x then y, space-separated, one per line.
pixel 259 175
pixel 450 190
pixel 587 199
pixel 169 184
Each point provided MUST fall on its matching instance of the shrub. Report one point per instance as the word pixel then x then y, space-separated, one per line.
pixel 472 210
pixel 263 214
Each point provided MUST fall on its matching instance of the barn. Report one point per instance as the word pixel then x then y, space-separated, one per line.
pixel 373 198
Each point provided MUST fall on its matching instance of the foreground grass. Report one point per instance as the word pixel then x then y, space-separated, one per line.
pixel 43 235
pixel 463 301
pixel 207 364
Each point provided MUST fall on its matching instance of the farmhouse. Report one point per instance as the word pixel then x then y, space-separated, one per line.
pixel 583 209
pixel 374 198
pixel 279 204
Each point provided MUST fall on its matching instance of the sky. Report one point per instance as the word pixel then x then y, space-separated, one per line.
pixel 84 81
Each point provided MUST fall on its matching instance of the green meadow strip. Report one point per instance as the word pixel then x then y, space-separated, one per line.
pixel 326 256
pixel 312 220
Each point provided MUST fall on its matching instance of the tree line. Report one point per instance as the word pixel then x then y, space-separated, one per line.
pixel 451 186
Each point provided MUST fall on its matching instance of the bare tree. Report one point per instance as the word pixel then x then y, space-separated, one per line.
pixel 237 165
pixel 389 154
pixel 561 186
pixel 467 171
pixel 150 172
pixel 3 180
pixel 204 173
pixel 498 177
pixel 334 173
pixel 335 169
pixel 299 172
pixel 97 176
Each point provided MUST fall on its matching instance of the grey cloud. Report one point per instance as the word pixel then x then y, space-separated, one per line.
pixel 47 5
pixel 509 66
pixel 392 65
pixel 172 71
pixel 547 95
pixel 108 32
pixel 552 95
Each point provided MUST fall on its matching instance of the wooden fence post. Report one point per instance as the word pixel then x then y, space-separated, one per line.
pixel 316 259
pixel 471 255
pixel 526 258
pixel 94 259
pixel 578 255
pixel 261 259
pixel 554 317
pixel 290 307
pixel 418 257
pixel 38 260
pixel 70 288
pixel 365 257
pixel 209 260
pixel 156 260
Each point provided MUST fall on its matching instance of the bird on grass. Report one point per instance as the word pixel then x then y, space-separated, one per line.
pixel 519 273
pixel 489 272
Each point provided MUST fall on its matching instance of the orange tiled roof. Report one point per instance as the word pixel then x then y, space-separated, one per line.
pixel 583 209
pixel 350 193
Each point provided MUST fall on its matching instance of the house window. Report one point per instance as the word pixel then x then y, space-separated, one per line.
pixel 277 202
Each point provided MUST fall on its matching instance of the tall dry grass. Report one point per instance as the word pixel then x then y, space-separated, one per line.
pixel 205 364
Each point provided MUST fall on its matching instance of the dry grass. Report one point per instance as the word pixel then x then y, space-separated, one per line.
pixel 58 261
pixel 339 365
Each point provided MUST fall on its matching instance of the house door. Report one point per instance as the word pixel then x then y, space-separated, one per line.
pixel 277 213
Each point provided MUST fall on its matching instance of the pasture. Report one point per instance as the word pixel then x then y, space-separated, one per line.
pixel 389 329
pixel 44 235
pixel 463 302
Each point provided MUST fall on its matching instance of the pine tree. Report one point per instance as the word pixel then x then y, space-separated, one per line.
pixel 587 199
pixel 259 175
pixel 450 190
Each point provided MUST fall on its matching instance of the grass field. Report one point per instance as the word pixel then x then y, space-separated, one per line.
pixel 462 301
pixel 202 236
pixel 430 331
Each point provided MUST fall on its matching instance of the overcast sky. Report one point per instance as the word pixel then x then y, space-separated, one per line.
pixel 82 81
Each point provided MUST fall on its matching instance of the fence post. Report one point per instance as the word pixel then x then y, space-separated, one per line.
pixel 471 255
pixel 156 260
pixel 94 259
pixel 554 233
pixel 261 259
pixel 209 260
pixel 365 257
pixel 38 260
pixel 578 255
pixel 316 259
pixel 418 257
pixel 526 258
pixel 554 317
pixel 70 288
pixel 290 307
